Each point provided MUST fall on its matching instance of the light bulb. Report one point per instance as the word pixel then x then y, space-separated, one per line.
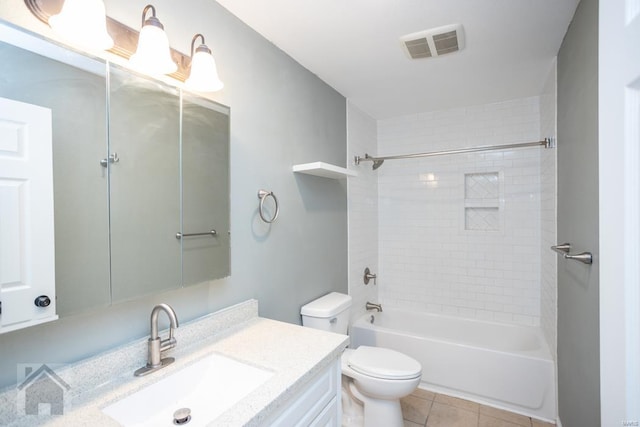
pixel 204 74
pixel 153 54
pixel 83 22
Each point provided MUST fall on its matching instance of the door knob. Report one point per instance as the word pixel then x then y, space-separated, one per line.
pixel 42 301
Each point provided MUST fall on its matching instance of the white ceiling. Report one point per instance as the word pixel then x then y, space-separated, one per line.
pixel 353 45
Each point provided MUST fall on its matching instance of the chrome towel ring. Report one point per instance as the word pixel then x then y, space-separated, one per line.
pixel 262 195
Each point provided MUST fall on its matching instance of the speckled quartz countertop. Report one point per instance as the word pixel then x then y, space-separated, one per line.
pixel 294 354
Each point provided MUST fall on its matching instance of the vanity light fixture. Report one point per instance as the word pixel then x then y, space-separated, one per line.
pixel 150 57
pixel 83 22
pixel 153 54
pixel 204 74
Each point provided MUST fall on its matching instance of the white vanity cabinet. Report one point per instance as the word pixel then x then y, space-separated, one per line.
pixel 319 403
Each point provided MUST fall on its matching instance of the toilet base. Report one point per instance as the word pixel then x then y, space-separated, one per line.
pixel 352 409
pixel 379 412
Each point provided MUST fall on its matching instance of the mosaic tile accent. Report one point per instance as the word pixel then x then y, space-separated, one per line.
pixel 482 219
pixel 481 186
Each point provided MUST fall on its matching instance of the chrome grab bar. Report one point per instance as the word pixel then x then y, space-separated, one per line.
pixel 564 249
pixel 208 233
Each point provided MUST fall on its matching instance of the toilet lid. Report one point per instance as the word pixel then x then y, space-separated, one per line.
pixel 384 363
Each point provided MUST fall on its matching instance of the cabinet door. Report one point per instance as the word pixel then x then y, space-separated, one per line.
pixel 205 190
pixel 318 404
pixel 329 416
pixel 144 134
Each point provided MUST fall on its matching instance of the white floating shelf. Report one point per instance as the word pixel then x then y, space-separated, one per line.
pixel 324 170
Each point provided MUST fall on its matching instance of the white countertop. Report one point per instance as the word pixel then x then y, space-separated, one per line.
pixel 295 355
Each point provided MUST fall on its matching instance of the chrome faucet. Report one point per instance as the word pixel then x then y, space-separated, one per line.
pixel 372 306
pixel 155 345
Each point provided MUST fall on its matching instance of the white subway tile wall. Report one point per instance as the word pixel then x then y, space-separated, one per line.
pixel 427 259
pixel 548 212
pixel 363 209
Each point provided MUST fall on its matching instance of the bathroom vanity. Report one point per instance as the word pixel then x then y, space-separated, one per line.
pixel 302 367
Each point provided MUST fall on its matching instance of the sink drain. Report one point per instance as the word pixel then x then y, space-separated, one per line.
pixel 182 416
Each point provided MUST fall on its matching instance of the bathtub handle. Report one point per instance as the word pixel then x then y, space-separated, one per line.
pixel 564 249
pixel 368 276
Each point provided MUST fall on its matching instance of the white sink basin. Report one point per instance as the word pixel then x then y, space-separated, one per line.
pixel 208 388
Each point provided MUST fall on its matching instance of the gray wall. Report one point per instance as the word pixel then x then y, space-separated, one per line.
pixel 578 322
pixel 281 114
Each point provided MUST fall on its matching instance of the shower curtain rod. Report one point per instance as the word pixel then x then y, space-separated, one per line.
pixel 377 161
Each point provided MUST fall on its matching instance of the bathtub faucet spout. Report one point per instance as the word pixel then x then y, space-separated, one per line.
pixel 372 306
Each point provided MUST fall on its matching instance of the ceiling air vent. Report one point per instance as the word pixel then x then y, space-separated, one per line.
pixel 434 42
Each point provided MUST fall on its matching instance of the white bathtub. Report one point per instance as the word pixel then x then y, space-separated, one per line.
pixel 506 366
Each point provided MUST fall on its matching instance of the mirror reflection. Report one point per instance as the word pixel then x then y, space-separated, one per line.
pixel 205 190
pixel 144 134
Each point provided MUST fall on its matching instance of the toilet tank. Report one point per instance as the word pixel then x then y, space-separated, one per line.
pixel 329 313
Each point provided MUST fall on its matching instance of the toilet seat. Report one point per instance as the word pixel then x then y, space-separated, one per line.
pixel 383 363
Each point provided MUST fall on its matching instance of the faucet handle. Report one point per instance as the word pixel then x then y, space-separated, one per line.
pixel 368 276
pixel 168 343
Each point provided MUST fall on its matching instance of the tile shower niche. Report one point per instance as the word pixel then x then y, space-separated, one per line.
pixel 482 201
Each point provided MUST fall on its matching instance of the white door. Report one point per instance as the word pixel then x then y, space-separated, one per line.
pixel 27 267
pixel 619 163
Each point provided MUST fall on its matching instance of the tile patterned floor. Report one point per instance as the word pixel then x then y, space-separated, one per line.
pixel 427 409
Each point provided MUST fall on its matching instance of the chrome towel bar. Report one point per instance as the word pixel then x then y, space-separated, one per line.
pixel 564 249
pixel 208 233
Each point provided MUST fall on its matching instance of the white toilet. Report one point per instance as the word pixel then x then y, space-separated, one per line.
pixel 377 377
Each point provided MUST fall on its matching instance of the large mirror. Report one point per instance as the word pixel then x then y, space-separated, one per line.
pixel 141 174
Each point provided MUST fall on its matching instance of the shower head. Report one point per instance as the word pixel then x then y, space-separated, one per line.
pixel 377 164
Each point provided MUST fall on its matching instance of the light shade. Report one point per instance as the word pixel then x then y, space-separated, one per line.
pixel 153 54
pixel 83 22
pixel 204 73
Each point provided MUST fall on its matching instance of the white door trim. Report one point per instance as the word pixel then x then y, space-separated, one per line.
pixel 619 175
